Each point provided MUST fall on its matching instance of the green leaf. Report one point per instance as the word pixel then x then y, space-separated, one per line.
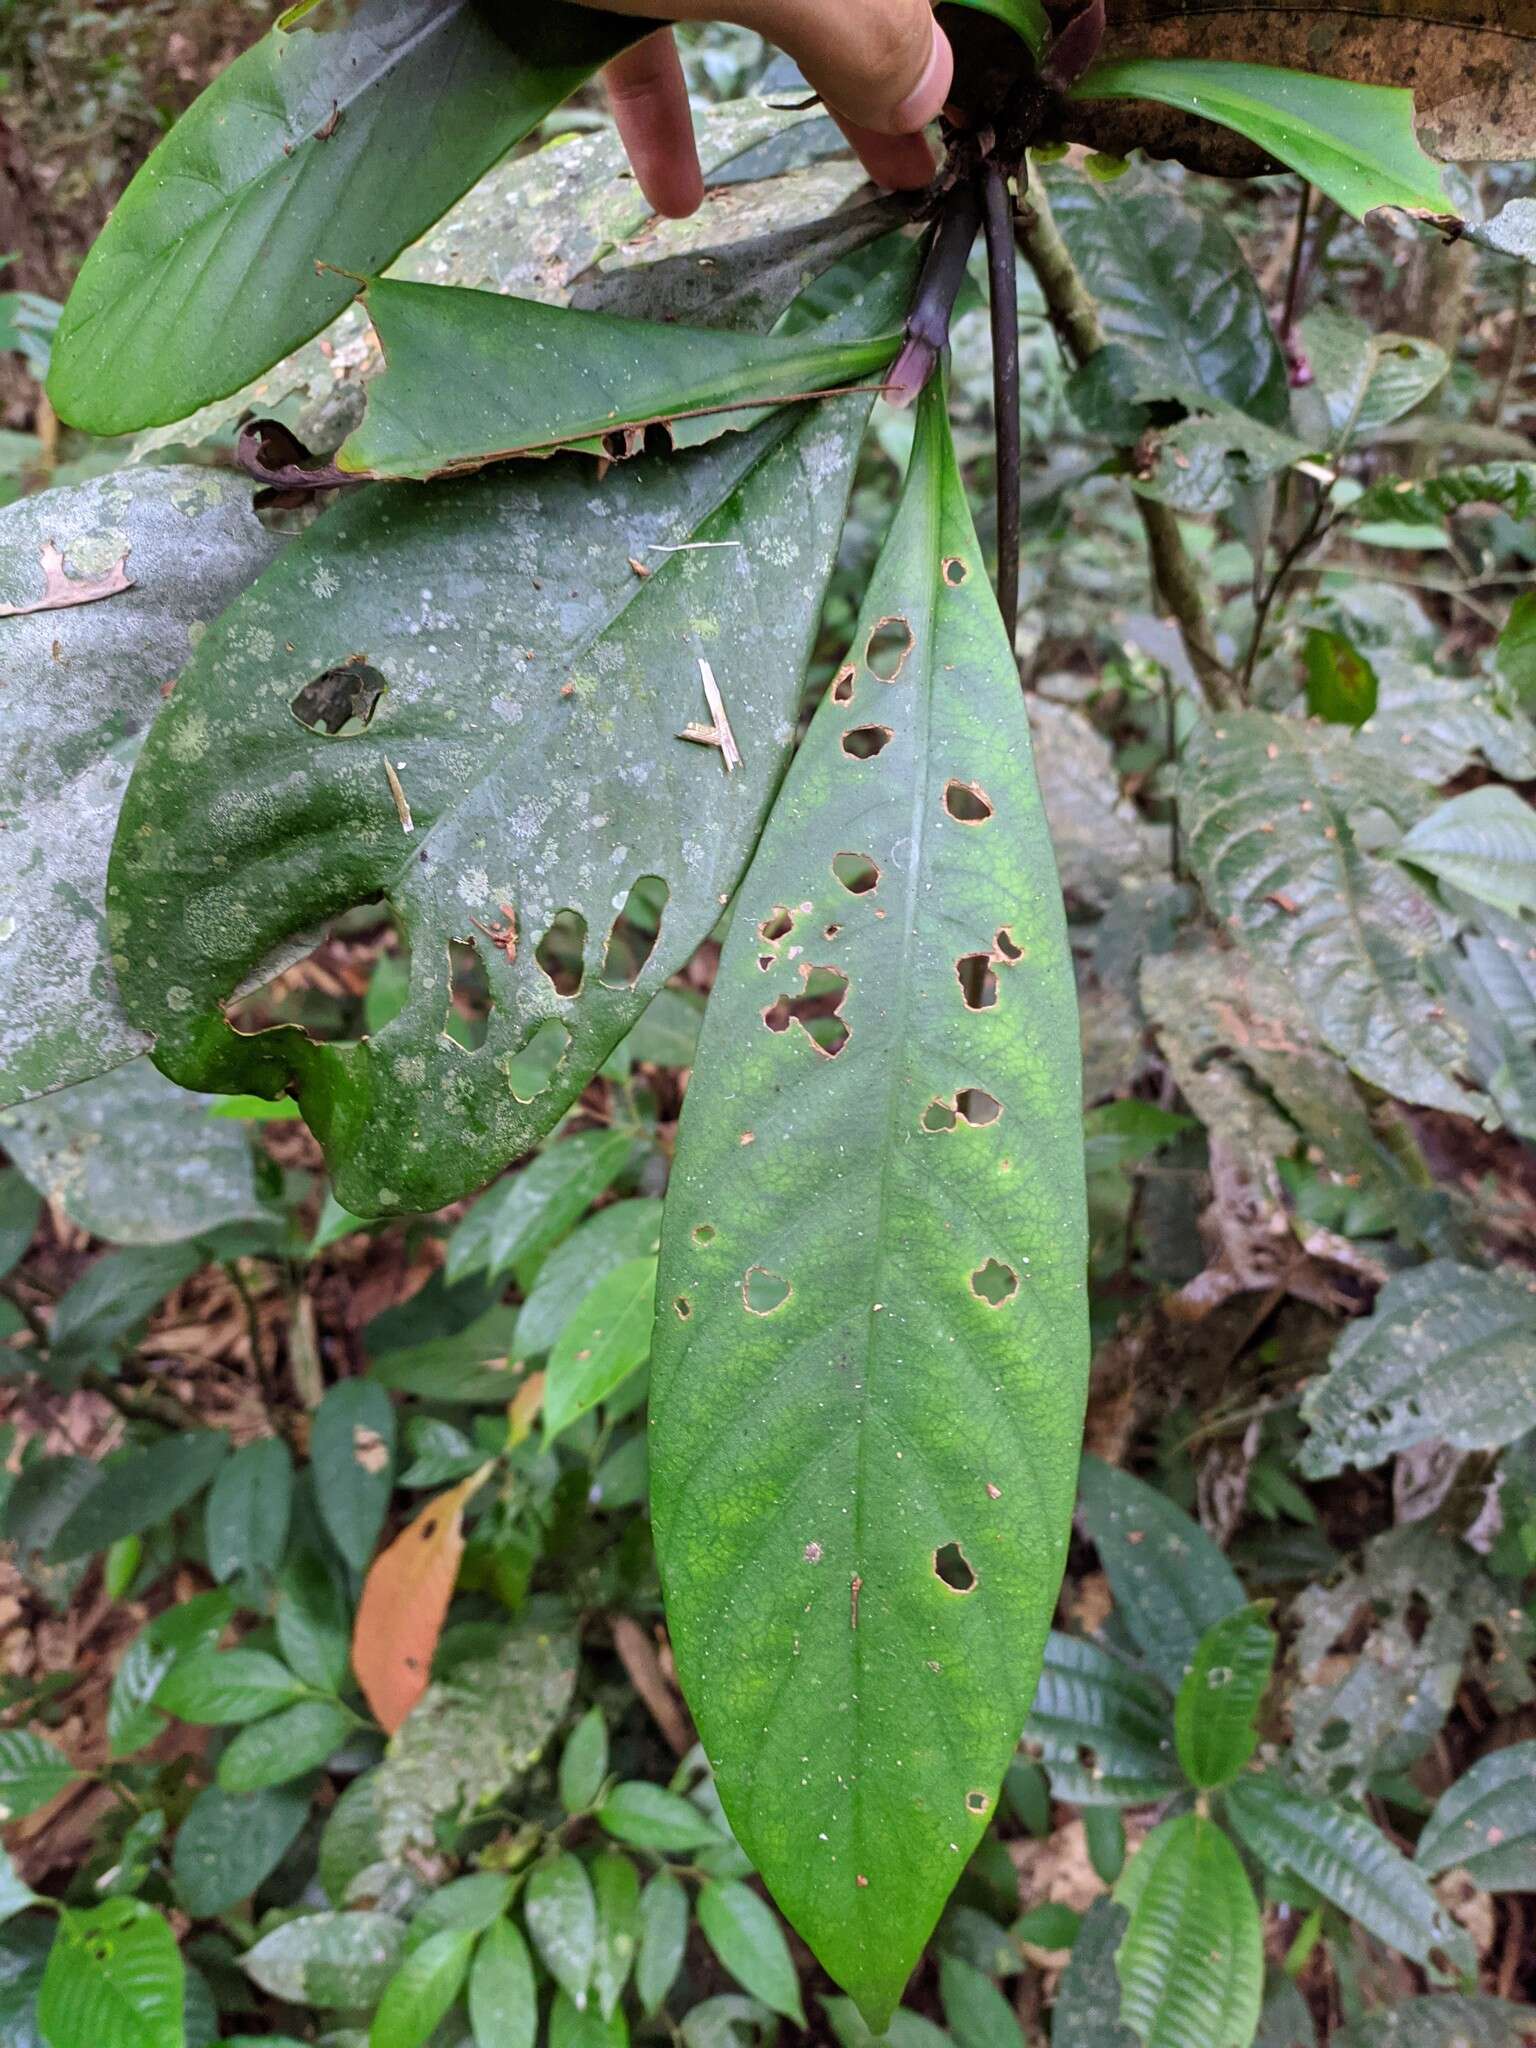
pixel 868 1370
pixel 1170 1581
pixel 474 1366
pixel 1191 1962
pixel 82 685
pixel 15 1897
pixel 606 1339
pixel 1365 379
pixel 285 1745
pixel 340 1960
pixel 615 1235
pixel 313 1622
pixel 1451 2021
pixel 180 1631
pixel 507 811
pixel 1027 18
pixel 1434 725
pixel 112 1300
pixel 1511 485
pixel 341 136
pixel 1341 684
pixel 609 383
pixel 746 1936
pixel 561 1916
pixel 652 1818
pixel 1449 1351
pixel 503 2000
pixel 20 1207
pixel 230 1843
pixel 1087 2009
pixel 139 1490
pixel 906 2030
pixel 248 1509
pixel 616 1889
pixel 663 1940
pixel 1219 1699
pixel 1483 841
pixel 1515 655
pixel 977 2013
pixel 352 1452
pixel 467 1904
pixel 227 1686
pixel 1171 285
pixel 584 1762
pixel 32 1772
pixel 1485 1823
pixel 574 2026
pixel 1271 810
pixel 1103 1730
pixel 528 1211
pixel 1354 142
pixel 115 1979
pixel 1350 1861
pixel 422 1990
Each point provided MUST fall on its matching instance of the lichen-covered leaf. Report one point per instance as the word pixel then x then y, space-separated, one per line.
pixel 870 1333
pixel 1485 1823
pixel 328 1959
pixel 81 687
pixel 1191 1962
pixel 1454 2020
pixel 338 137
pixel 1449 1352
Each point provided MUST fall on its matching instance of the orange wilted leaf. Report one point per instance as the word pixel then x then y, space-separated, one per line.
pixel 523 1410
pixel 405 1599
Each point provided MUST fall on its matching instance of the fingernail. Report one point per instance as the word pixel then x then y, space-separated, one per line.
pixel 932 89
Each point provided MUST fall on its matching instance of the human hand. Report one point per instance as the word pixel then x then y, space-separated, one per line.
pixel 882 67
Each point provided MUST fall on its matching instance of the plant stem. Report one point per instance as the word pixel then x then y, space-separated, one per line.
pixel 1293 279
pixel 1075 318
pixel 927 330
pixel 1003 276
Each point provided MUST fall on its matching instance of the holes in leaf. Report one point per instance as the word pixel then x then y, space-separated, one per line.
pixel 817 1010
pixel 890 641
pixel 647 437
pixel 778 924
pixel 530 1070
pixel 345 987
pixel 831 931
pixel 842 686
pixel 955 571
pixel 764 962
pixel 977 1802
pixel 561 953
pixel 939 1116
pixel 863 742
pixel 857 872
pixel 1007 947
pixel 952 1568
pixel 968 1105
pixel 763 1291
pixel 470 1001
pixel 635 931
pixel 978 984
pixel 994 1283
pixel 683 1307
pixel 340 701
pixel 704 1233
pixel 967 803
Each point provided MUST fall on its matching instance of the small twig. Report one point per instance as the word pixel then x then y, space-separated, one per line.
pixel 1311 532
pixel 1515 363
pixel 637 1653
pixel 718 734
pixel 1293 277
pixel 1002 271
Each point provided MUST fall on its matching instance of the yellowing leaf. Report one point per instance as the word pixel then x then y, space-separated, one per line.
pixel 405 1598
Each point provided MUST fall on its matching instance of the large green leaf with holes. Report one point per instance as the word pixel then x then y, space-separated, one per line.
pixel 125 571
pixel 533 378
pixel 518 777
pixel 868 1369
pixel 333 142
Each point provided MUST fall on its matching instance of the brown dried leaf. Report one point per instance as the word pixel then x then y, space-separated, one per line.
pixel 405 1599
pixel 61 590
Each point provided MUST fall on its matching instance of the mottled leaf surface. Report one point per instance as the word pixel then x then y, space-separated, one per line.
pixel 81 686
pixel 867 1372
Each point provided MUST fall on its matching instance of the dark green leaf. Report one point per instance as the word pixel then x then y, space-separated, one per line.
pixel 20 1206
pixel 328 1959
pixel 115 1979
pixel 1104 1839
pixel 32 1772
pixel 180 1631
pixel 607 1338
pixel 313 1622
pixel 503 2001
pixel 1341 684
pixel 114 1297
pixel 1432 499
pixel 663 1938
pixel 1170 1581
pixel 584 1762
pixel 574 2026
pixel 1191 1962
pixel 139 1490
pixel 527 1212
pixel 906 2030
pixel 1452 2021
pixel 351 1449
pixel 622 1231
pixel 1219 1699
pixel 1350 1861
pixel 561 1916
pixel 745 1934
pixel 248 1509
pixel 1087 2009
pixel 653 1818
pixel 1103 1730
pixel 474 1366
pixel 422 1990
pixel 230 1843
pixel 1485 1823
pixel 913 1287
pixel 1027 18
pixel 284 1746
pixel 977 2013
pixel 1515 655
pixel 469 1904
pixel 342 136
pixel 616 1889
pixel 227 1686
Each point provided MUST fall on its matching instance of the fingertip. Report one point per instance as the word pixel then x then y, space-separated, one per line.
pixel 650 107
pixel 899 163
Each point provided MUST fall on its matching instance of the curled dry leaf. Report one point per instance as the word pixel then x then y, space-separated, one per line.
pixel 405 1598
pixel 61 590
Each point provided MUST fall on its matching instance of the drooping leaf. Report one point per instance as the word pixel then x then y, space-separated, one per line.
pixel 561 1916
pixel 1219 1698
pixel 405 1602
pixel 229 1843
pixel 328 1959
pixel 587 379
pixel 352 1454
pixel 527 1212
pixel 867 1370
pixel 421 1991
pixel 1485 1823
pixel 312 1621
pixel 508 751
pixel 139 1489
pixel 606 1339
pixel 248 1508
pixel 1102 1730
pixel 114 1979
pixel 1483 841
pixel 340 136
pixel 1170 1580
pixel 1350 1861
pixel 1191 1962
pixel 32 1772
pixel 285 1745
pixel 1354 142
pixel 1448 1352
pixel 746 1936
pixel 503 1999
pixel 81 688
pixel 1272 809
